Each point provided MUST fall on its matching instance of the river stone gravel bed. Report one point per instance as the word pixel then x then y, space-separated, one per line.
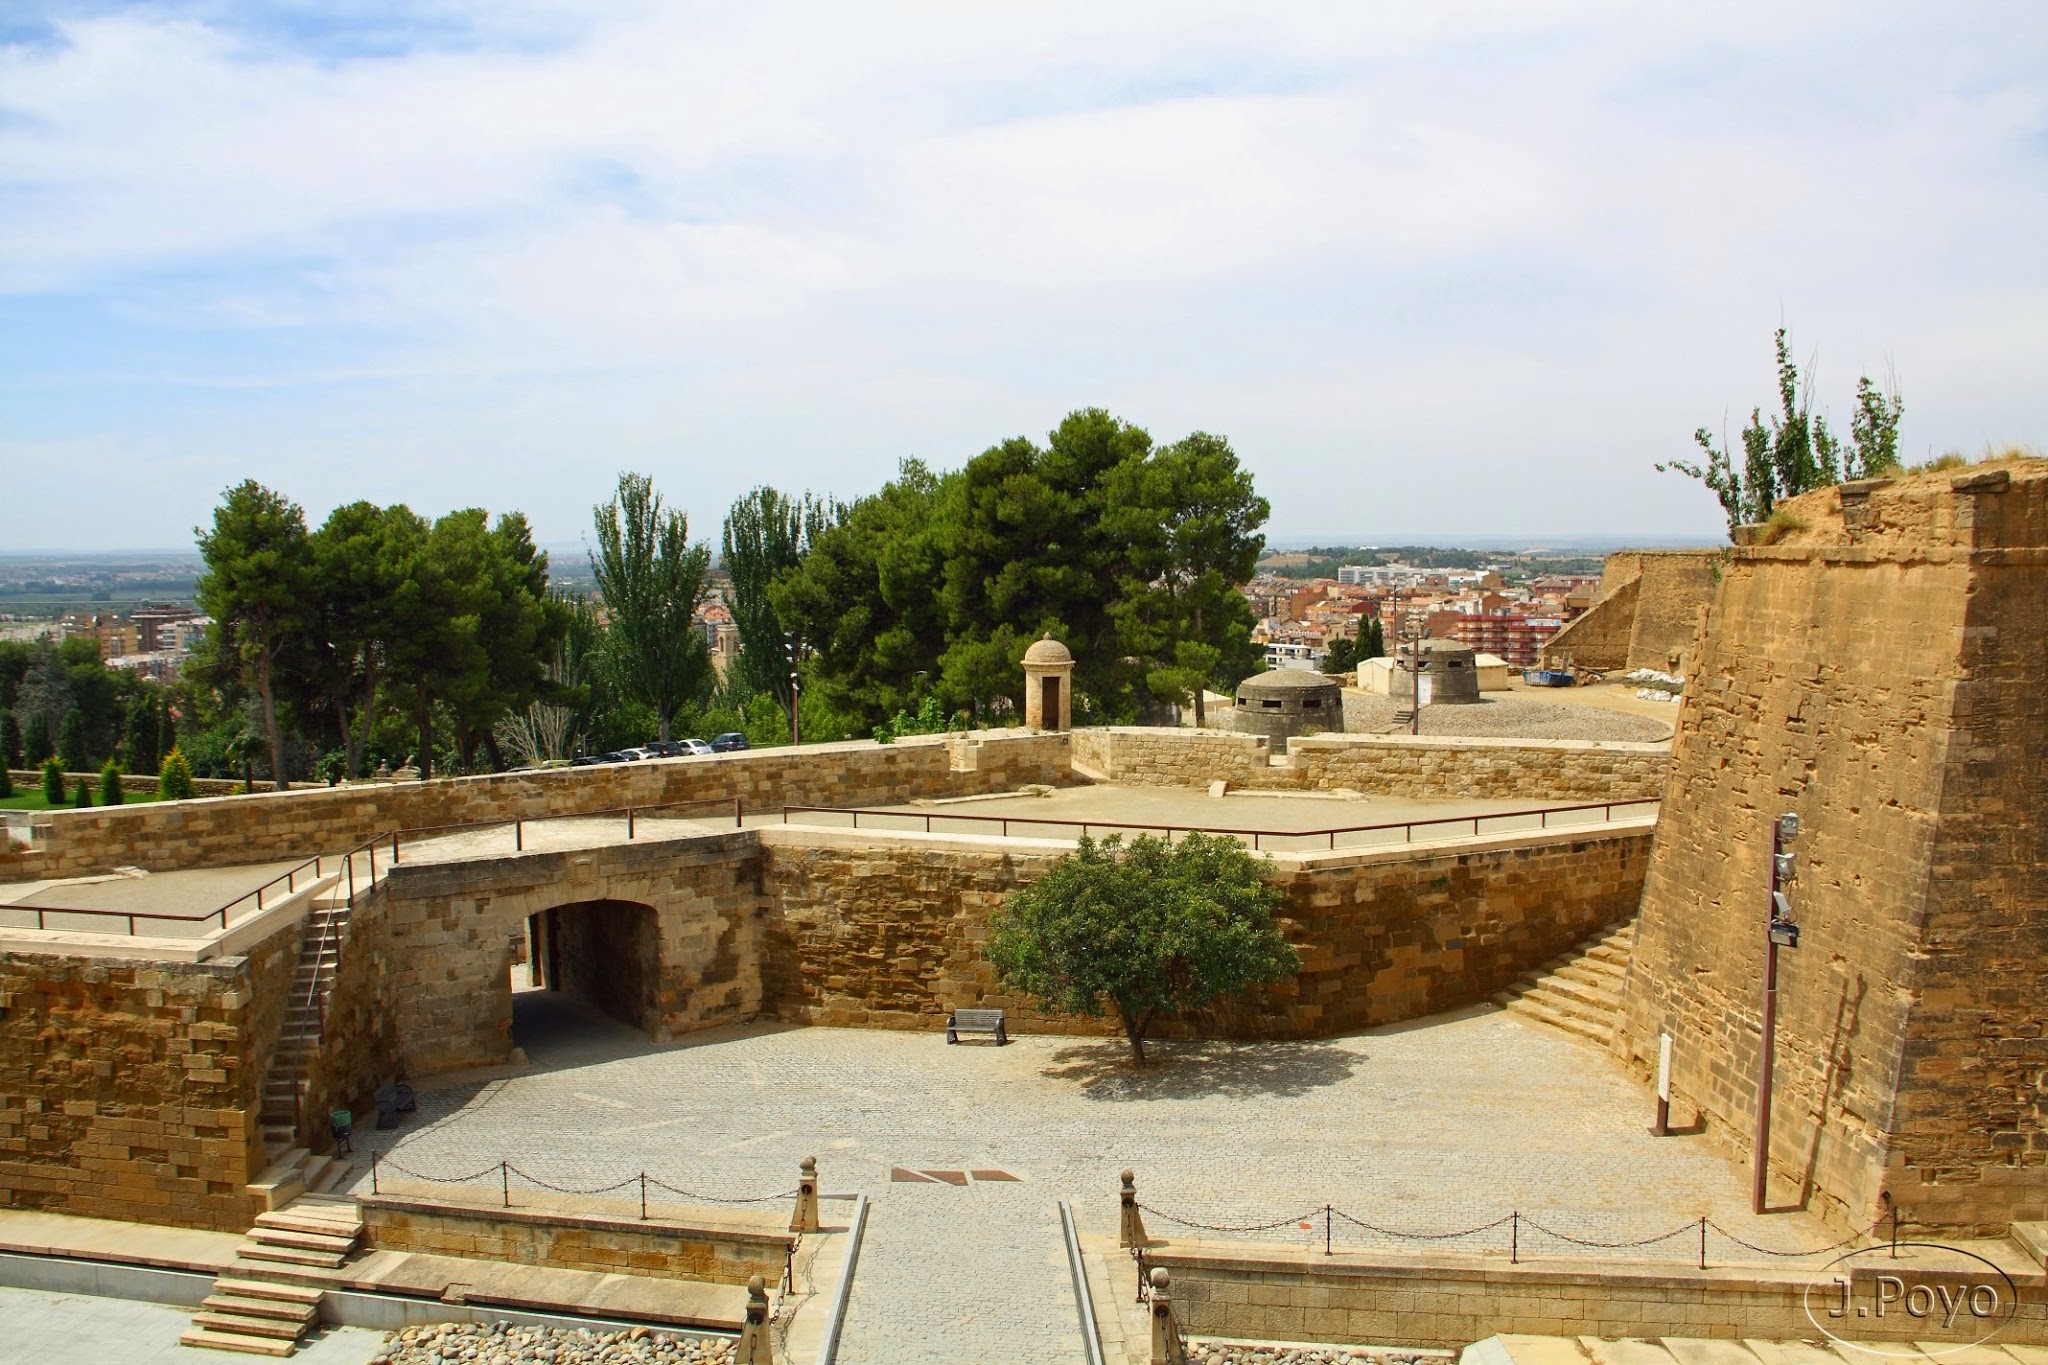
pixel 1243 1353
pixel 1504 717
pixel 497 1343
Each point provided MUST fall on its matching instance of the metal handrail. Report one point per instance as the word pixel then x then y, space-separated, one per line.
pixel 1408 827
pixel 289 877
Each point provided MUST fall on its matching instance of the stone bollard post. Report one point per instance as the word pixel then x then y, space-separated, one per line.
pixel 755 1348
pixel 1166 1343
pixel 805 1219
pixel 1130 1228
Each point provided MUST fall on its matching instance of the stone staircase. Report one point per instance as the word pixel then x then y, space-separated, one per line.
pixel 1579 992
pixel 268 1300
pixel 322 938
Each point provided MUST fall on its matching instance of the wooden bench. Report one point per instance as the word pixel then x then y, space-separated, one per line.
pixel 976 1021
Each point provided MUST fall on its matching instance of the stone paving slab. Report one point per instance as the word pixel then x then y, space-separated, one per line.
pixel 80 1329
pixel 1430 1126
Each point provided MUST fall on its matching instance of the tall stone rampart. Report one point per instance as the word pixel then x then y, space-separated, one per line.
pixel 1647 615
pixel 1878 673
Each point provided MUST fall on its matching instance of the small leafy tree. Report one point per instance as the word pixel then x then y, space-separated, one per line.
pixel 110 784
pixel 930 720
pixel 174 778
pixel 1796 453
pixel 53 782
pixel 1142 929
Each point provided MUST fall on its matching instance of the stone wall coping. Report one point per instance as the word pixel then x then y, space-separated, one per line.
pixel 108 949
pixel 800 837
pixel 1494 1268
pixel 762 1227
pixel 500 871
pixel 1470 743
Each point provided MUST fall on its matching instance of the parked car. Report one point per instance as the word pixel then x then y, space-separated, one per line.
pixel 730 742
pixel 694 746
pixel 585 761
pixel 664 748
pixel 617 756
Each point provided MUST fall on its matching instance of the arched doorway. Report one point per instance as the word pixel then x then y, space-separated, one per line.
pixel 604 954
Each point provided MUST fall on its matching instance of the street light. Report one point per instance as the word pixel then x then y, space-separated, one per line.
pixel 1780 931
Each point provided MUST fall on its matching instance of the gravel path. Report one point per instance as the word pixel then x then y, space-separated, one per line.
pixel 1500 717
pixel 496 1343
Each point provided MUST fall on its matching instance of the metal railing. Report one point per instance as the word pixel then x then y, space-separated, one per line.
pixel 289 879
pixel 345 863
pixel 1456 825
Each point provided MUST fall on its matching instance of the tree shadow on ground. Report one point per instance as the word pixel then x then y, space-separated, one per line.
pixel 1177 1069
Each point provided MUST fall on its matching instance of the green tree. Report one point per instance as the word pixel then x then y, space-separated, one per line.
pixel 10 740
pixel 767 535
pixel 359 559
pixel 174 778
pixel 652 580
pixel 166 729
pixel 1344 655
pixel 53 782
pixel 1190 519
pixel 71 750
pixel 257 588
pixel 110 784
pixel 1144 929
pixel 865 602
pixel 84 797
pixel 6 782
pixel 1796 452
pixel 44 698
pixel 140 730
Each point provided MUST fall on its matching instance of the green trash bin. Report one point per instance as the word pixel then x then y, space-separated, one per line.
pixel 343 1123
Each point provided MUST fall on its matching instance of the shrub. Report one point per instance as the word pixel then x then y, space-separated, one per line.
pixel 53 782
pixel 1782 524
pixel 84 797
pixel 174 778
pixel 110 784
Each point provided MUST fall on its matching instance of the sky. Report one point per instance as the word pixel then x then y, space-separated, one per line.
pixel 1446 270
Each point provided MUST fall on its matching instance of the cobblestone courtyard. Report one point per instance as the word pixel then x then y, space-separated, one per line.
pixel 1444 1124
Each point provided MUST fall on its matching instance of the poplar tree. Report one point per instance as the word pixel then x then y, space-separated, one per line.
pixel 651 580
pixel 767 535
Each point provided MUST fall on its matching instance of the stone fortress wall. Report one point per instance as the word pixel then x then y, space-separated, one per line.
pixel 1648 613
pixel 1879 673
pixel 131 1087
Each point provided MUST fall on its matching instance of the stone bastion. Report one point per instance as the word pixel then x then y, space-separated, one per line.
pixel 133 1070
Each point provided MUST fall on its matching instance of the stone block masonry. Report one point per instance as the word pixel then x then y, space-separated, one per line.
pixel 1390 765
pixel 238 829
pixel 729 1251
pixel 880 930
pixel 131 1089
pixel 1878 674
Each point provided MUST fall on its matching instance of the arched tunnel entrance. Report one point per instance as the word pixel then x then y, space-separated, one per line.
pixel 603 954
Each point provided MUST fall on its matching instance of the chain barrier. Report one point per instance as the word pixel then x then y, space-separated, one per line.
pixel 1517 1222
pixel 505 1170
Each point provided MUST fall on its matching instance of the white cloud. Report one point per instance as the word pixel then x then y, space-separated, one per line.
pixel 1403 255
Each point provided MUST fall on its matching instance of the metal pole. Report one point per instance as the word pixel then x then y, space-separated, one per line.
pixel 643 1196
pixel 629 822
pixel 505 1179
pixel 1703 1242
pixel 1760 1175
pixel 1326 1230
pixel 373 1171
pixel 738 821
pixel 519 836
pixel 1514 1236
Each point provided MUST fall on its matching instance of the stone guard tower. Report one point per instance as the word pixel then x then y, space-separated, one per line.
pixel 1288 702
pixel 1048 686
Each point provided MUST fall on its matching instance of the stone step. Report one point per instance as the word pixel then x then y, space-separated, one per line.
pixel 1603 983
pixel 262 1306
pixel 270 1235
pixel 284 1273
pixel 303 1295
pixel 318 1223
pixel 1602 1004
pixel 1564 1022
pixel 248 1326
pixel 282 1255
pixel 237 1341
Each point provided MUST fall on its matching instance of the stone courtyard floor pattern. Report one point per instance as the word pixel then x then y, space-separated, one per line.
pixel 1432 1126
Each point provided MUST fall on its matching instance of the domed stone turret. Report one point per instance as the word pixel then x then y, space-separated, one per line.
pixel 1048 686
pixel 1288 702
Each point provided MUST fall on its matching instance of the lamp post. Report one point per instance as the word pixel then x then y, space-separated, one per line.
pixel 1421 633
pixel 1779 932
pixel 796 729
